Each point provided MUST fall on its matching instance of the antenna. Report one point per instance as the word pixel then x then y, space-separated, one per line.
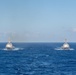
pixel 9 40
pixel 65 40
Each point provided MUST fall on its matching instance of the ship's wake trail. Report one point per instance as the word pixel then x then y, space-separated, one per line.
pixel 59 48
pixel 15 49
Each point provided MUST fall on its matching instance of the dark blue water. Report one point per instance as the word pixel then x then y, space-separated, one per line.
pixel 38 59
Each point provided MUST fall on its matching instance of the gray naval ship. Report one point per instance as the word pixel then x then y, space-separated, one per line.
pixel 65 46
pixel 9 45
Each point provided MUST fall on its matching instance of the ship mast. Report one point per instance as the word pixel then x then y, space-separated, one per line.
pixel 65 40
pixel 9 40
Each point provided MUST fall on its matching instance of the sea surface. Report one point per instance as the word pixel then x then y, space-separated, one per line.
pixel 37 59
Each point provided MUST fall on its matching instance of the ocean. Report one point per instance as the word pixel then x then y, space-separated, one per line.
pixel 37 59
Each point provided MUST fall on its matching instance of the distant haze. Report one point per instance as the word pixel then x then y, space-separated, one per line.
pixel 38 20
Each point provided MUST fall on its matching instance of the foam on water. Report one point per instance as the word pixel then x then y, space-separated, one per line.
pixel 59 48
pixel 15 49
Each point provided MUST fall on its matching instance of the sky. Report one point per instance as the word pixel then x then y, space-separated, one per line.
pixel 38 20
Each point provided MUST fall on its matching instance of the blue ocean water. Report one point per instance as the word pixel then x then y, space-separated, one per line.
pixel 37 59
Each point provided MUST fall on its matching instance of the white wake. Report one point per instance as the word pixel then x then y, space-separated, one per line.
pixel 59 48
pixel 15 49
